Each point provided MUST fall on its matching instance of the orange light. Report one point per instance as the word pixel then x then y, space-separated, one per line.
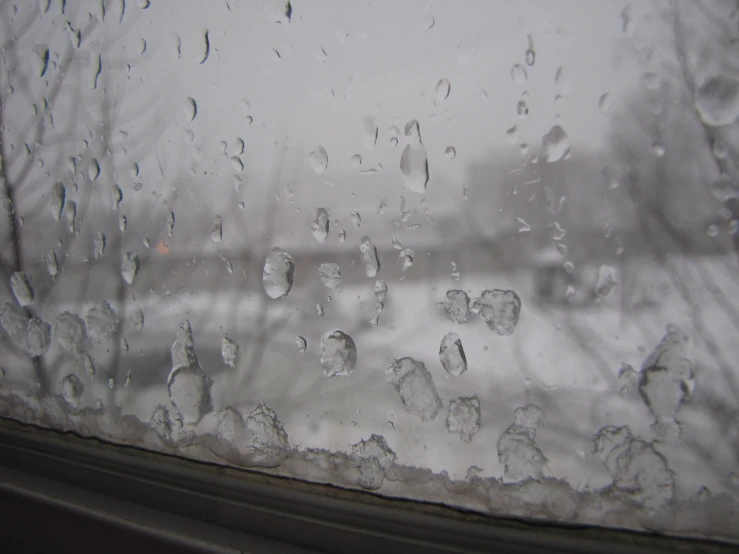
pixel 163 247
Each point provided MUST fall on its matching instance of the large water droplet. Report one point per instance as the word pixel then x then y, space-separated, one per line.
pixel 356 219
pixel 69 331
pixel 452 355
pixel 318 159
pixel 38 337
pixel 130 267
pixel 499 309
pixel 278 11
pixel 338 353
pixel 229 349
pixel 369 133
pixel 414 161
pixel 330 275
pixel 58 194
pixel 717 100
pixel 406 258
pixel 518 74
pixel 416 388
pixel 278 274
pixel 138 319
pixel 72 391
pixel 301 343
pixel 102 322
pixel 13 320
pixel 556 144
pixel 368 253
pixel 188 385
pixel 464 417
pixel 52 265
pixel 98 245
pixel 216 232
pixel 21 288
pixel 517 451
pixel 606 282
pixel 191 108
pixel 456 306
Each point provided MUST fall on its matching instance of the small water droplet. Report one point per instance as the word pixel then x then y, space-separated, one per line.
pixel 525 227
pixel 21 287
pixel 414 160
pixel 191 108
pixel 356 219
pixel 318 159
pixel 518 74
pixel 442 91
pixel 204 47
pixel 369 133
pixel 530 57
pixel 216 232
pixel 450 152
pixel 52 265
pixel 428 21
pixel 330 275
pixel 712 230
pixel 382 207
pixel 356 161
pixel 342 235
pixel 122 223
pixel 556 231
pixel 406 258
pixel 170 222
pixel 301 343
pixel 319 310
pixel 717 100
pixel 522 108
pixel 658 149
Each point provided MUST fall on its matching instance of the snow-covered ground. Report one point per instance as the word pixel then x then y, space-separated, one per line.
pixel 195 140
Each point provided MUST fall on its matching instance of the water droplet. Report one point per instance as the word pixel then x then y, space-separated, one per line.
pixel 512 135
pixel 13 320
pixel 406 258
pixel 628 25
pixel 138 319
pixel 69 331
pixel 72 391
pixel 52 265
pixel 442 91
pixel 319 229
pixel 342 235
pixel 724 188
pixel 415 385
pixel 380 290
pixel 382 207
pixel 21 288
pixel 369 133
pixel 330 275
pixel 450 152
pixel 525 227
pixel 93 170
pixel 606 281
pixel 394 141
pixel 301 343
pixel 464 417
pixel 569 293
pixel 98 244
pixel 130 267
pixel 530 57
pixel 338 353
pixel 124 346
pixel 204 47
pixel 229 350
pixel 236 163
pixel 38 337
pixel 556 144
pixel 518 74
pixel 319 309
pixel 278 11
pixel 356 161
pixel 318 159
pixel 517 451
pixel 732 228
pixel 58 194
pixel 658 149
pixel 500 309
pixel 368 253
pixel 562 80
pixel 70 213
pixel 188 385
pixel 428 21
pixel 568 266
pixel 191 108
pixel 216 232
pixel 456 306
pixel 717 100
pixel 278 274
pixel 102 322
pixel 414 161
pixel 451 354
pixel 556 231
pixel 356 219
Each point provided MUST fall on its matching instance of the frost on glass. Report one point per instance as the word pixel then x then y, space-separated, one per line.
pixel 380 258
